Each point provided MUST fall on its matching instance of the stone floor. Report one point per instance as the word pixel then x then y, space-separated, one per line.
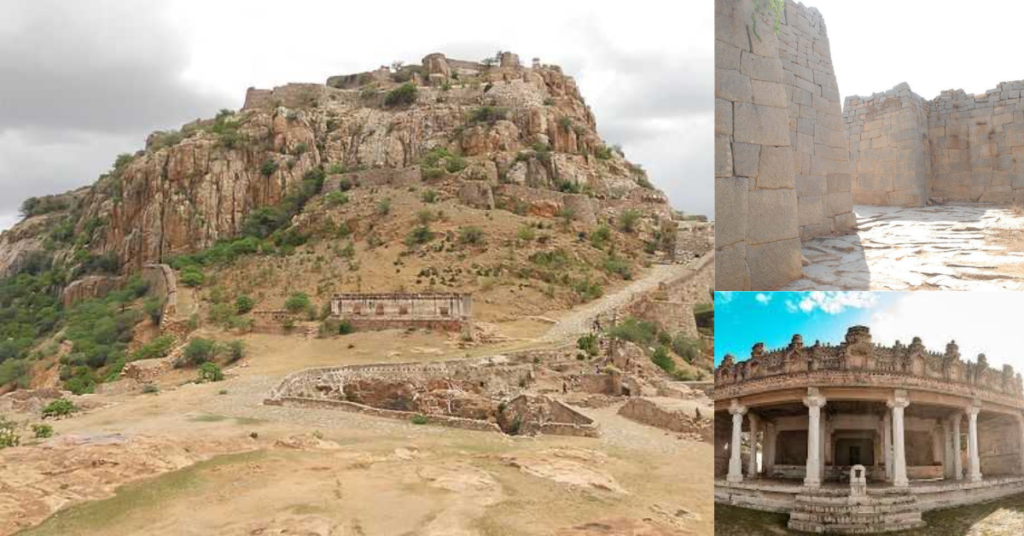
pixel 946 247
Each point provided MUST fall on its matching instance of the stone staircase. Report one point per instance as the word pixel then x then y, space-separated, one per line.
pixel 833 510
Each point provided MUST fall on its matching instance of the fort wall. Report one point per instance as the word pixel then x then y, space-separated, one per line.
pixel 781 161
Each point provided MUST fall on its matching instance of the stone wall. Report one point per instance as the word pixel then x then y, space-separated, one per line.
pixel 781 164
pixel 820 155
pixel 388 311
pixel 999 446
pixel 889 148
pixel 978 144
pixel 957 146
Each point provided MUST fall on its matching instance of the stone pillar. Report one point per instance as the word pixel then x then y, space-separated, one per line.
pixel 825 445
pixel 898 403
pixel 937 443
pixel 752 461
pixel 735 465
pixel 958 470
pixel 948 471
pixel 768 458
pixel 887 444
pixel 814 402
pixel 974 469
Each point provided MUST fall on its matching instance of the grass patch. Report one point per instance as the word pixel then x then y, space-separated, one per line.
pixel 135 499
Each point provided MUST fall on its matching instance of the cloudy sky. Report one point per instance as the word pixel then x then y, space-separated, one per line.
pixel 980 322
pixel 933 46
pixel 84 81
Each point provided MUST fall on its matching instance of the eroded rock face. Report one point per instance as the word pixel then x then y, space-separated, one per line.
pixel 187 191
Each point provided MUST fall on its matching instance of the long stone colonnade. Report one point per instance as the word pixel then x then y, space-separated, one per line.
pixel 764 439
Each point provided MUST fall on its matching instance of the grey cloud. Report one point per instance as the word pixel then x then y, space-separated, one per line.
pixel 99 66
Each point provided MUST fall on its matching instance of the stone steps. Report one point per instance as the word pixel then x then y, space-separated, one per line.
pixel 833 510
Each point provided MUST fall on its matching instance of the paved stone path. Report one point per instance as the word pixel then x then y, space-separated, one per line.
pixel 581 319
pixel 947 247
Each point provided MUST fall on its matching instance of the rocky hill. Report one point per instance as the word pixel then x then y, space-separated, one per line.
pixel 495 134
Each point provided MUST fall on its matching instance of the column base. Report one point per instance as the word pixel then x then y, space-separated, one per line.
pixel 974 477
pixel 734 478
pixel 901 483
pixel 812 483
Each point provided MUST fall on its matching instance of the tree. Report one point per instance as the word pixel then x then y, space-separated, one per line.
pixel 298 302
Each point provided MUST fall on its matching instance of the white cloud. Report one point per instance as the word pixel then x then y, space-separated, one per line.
pixel 833 302
pixel 762 298
pixel 980 322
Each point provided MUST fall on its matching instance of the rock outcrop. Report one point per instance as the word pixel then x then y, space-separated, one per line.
pixel 514 127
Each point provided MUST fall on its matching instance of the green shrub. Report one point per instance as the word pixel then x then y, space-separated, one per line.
pixel 154 309
pixel 587 290
pixel 471 235
pixel 199 351
pixel 429 196
pixel 244 304
pixel 488 114
pixel 634 330
pixel 548 101
pixel 420 419
pixel 601 236
pixel 588 343
pixel 61 407
pixel 298 302
pixel 300 148
pixel 150 388
pixel 555 259
pixel 345 327
pixel 603 152
pixel 345 185
pixel 336 199
pixel 616 265
pixel 565 122
pixel 687 348
pixel 192 277
pixel 384 207
pixel 8 436
pixel 42 431
pixel 628 220
pixel 157 348
pixel 662 358
pixel 210 372
pixel 402 95
pixel 455 164
pixel 235 350
pixel 526 233
pixel 268 167
pixel 425 216
pixel 419 235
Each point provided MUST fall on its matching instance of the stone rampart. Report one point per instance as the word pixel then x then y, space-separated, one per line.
pixel 821 160
pixel 781 164
pixel 889 148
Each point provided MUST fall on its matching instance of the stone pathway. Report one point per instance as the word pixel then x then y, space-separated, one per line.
pixel 947 247
pixel 580 320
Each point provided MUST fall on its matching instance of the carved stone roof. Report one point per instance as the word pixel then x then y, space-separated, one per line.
pixel 908 363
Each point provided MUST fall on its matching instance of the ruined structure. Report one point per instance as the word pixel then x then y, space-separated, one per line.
pixel 485 394
pixel 451 312
pixel 930 430
pixel 905 149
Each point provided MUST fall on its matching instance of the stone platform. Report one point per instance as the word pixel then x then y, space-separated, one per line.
pixel 829 504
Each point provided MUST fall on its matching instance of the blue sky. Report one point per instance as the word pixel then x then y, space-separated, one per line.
pixel 745 318
pixel 979 322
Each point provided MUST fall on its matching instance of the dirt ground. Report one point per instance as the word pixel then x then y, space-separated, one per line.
pixel 197 459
